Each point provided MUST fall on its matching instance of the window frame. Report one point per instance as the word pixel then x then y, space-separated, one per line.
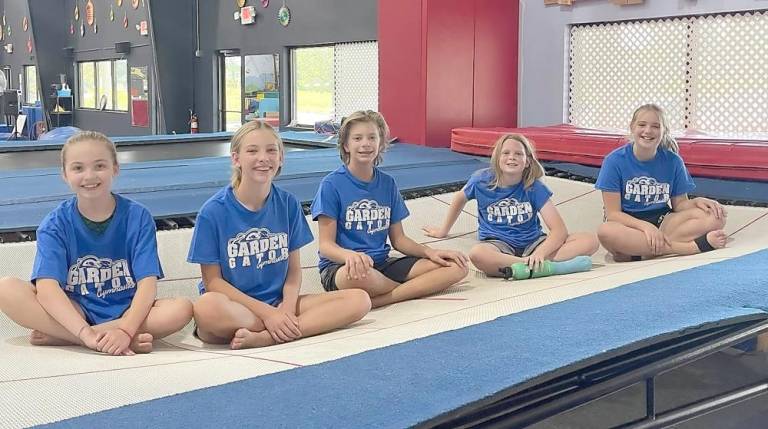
pixel 26 83
pixel 98 91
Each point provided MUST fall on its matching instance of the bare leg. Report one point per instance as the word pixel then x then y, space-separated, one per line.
pixel 425 278
pixel 375 283
pixel 576 244
pixel 221 320
pixel 317 313
pixel 621 241
pixel 488 259
pixel 690 224
pixel 18 300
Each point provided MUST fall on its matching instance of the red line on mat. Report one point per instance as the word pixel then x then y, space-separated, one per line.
pixel 748 224
pixel 573 198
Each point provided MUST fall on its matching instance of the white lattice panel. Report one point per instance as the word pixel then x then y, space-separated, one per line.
pixel 729 74
pixel 616 67
pixel 356 77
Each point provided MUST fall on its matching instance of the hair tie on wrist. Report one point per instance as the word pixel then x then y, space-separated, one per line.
pixel 126 333
pixel 80 332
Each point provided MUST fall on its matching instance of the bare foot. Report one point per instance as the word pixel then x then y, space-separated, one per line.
pixel 245 339
pixel 142 343
pixel 37 338
pixel 717 238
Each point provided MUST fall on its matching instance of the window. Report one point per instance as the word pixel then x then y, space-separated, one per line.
pixel 103 85
pixel 312 85
pixel 708 72
pixel 261 97
pixel 232 101
pixel 120 72
pixel 249 89
pixel 330 82
pixel 30 85
pixel 86 73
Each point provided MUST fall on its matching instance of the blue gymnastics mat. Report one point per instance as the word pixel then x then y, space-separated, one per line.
pixel 412 382
pixel 304 137
pixel 723 189
pixel 298 137
pixel 180 187
pixel 32 145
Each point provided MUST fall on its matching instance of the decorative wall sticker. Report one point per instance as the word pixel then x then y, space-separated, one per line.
pixel 77 12
pixel 89 12
pixel 247 15
pixel 135 4
pixel 119 3
pixel 111 13
pixel 82 29
pixel 284 15
pixel 29 44
pixel 125 20
pixel 25 24
pixel 264 3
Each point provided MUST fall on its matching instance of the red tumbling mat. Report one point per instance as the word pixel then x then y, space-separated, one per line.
pixel 705 156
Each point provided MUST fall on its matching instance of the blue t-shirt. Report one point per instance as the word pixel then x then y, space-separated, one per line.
pixel 644 185
pixel 363 211
pixel 251 248
pixel 510 214
pixel 98 271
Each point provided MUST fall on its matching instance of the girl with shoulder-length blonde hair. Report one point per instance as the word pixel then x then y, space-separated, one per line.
pixel 532 171
pixel 510 199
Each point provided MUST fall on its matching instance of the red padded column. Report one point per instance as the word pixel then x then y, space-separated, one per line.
pixel 401 68
pixel 496 63
pixel 445 64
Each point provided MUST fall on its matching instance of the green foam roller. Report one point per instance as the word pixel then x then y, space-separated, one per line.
pixel 520 270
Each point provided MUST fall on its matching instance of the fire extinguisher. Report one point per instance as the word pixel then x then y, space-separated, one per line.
pixel 193 124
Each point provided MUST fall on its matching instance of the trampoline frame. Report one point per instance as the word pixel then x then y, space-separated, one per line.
pixel 570 387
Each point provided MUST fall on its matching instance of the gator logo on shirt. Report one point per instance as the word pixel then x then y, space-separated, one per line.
pixel 368 216
pixel 646 190
pixel 102 276
pixel 257 246
pixel 509 211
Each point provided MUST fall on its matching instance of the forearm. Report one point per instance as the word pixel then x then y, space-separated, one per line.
pixel 256 307
pixel 142 303
pixel 457 204
pixel 407 246
pixel 684 205
pixel 553 242
pixel 56 303
pixel 331 250
pixel 292 287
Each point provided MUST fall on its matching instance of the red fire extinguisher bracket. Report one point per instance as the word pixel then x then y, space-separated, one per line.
pixel 194 126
